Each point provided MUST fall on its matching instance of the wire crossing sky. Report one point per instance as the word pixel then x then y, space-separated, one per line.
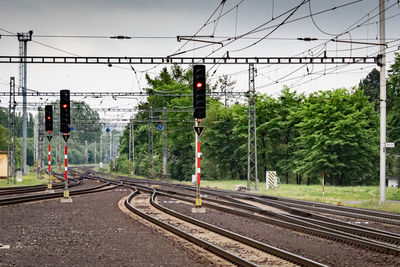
pixel 236 28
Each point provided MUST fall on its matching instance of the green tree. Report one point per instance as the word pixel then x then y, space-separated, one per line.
pixel 3 138
pixel 370 85
pixel 393 118
pixel 338 137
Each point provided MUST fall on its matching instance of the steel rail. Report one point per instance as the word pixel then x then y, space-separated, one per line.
pixel 206 245
pixel 29 198
pixel 248 241
pixel 34 188
pixel 327 234
pixel 383 217
pixel 345 233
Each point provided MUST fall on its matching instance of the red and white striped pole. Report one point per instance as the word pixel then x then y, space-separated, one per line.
pixel 198 155
pixel 66 193
pixel 49 185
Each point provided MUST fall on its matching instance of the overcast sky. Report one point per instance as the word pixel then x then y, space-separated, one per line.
pixel 168 19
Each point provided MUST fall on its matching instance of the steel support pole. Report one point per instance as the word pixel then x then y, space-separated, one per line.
pixel 165 143
pixel 23 39
pixel 132 145
pixel 95 151
pixel 40 152
pixel 101 150
pixel 86 154
pixel 11 133
pixel 150 148
pixel 110 146
pixel 382 167
pixel 251 131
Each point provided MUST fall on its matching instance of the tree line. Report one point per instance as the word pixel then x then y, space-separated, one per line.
pixel 335 132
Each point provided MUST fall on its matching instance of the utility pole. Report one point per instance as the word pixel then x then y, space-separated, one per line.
pixel 115 150
pixel 132 145
pixel 23 39
pixel 86 153
pixel 252 137
pixel 11 172
pixel 382 169
pixel 101 150
pixel 150 152
pixel 95 151
pixel 165 143
pixel 40 143
pixel 111 146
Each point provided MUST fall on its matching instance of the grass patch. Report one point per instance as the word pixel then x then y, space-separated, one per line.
pixel 29 179
pixel 367 196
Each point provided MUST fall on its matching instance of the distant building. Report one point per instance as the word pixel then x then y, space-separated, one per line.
pixel 3 164
pixel 393 181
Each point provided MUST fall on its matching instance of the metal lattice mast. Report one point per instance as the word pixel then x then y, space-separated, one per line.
pixel 165 143
pixel 40 140
pixel 11 133
pixel 95 152
pixel 132 145
pixel 130 139
pixel 86 153
pixel 150 153
pixel 101 150
pixel 110 146
pixel 23 39
pixel 252 137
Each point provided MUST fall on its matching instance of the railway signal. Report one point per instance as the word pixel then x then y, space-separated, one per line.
pixel 65 128
pixel 64 111
pixel 48 112
pixel 199 91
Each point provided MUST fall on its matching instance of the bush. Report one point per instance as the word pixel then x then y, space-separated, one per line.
pixel 124 165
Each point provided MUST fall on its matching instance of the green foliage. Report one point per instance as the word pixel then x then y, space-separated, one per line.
pixel 393 118
pixel 3 138
pixel 370 85
pixel 333 132
pixel 338 137
pixel 124 165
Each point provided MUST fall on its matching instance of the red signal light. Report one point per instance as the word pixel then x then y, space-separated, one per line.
pixel 64 105
pixel 199 85
pixel 48 117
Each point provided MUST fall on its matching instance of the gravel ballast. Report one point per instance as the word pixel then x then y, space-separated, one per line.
pixel 90 231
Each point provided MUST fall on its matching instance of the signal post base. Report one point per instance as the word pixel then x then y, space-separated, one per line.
pixel 66 198
pixel 49 189
pixel 198 210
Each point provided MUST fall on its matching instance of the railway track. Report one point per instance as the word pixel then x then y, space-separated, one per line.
pixel 43 196
pixel 231 246
pixel 34 188
pixel 287 204
pixel 327 228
